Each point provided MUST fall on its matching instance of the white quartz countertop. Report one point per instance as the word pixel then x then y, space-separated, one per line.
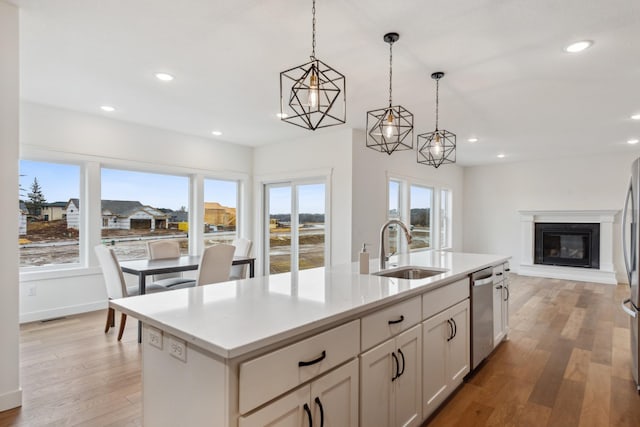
pixel 234 318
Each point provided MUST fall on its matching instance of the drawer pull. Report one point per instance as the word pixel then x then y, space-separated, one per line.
pixel 393 322
pixel 314 361
pixel 321 411
pixel 499 273
pixel 308 411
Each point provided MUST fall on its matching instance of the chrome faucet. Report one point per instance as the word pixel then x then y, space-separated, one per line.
pixel 383 256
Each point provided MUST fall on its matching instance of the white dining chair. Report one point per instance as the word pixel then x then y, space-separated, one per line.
pixel 243 248
pixel 116 285
pixel 163 249
pixel 215 264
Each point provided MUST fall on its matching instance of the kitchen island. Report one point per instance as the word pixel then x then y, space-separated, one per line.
pixel 308 346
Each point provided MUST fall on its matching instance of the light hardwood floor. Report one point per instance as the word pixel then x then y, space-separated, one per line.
pixel 566 363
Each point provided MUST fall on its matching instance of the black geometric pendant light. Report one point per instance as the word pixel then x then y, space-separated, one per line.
pixel 437 147
pixel 313 95
pixel 390 129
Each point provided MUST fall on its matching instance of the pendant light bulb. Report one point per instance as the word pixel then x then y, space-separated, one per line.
pixel 313 91
pixel 436 148
pixel 389 127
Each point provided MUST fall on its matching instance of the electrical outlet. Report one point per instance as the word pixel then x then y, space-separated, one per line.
pixel 32 291
pixel 154 337
pixel 178 348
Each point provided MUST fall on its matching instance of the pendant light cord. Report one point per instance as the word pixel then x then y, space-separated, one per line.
pixel 390 70
pixel 313 33
pixel 437 100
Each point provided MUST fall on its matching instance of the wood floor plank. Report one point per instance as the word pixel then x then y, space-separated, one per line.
pixel 596 405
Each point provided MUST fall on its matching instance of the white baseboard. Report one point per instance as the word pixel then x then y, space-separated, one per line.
pixel 569 273
pixel 35 316
pixel 10 400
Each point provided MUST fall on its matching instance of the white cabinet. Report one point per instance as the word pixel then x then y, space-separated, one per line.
pixel 445 354
pixel 330 400
pixel 390 382
pixel 500 303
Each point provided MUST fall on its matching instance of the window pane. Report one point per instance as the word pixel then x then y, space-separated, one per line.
pixel 393 238
pixel 421 202
pixel 140 206
pixel 445 219
pixel 49 225
pixel 220 211
pixel 279 200
pixel 311 220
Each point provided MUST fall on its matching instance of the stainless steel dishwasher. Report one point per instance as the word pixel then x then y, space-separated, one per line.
pixel 481 315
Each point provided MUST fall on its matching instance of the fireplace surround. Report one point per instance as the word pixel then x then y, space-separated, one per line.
pixel 568 251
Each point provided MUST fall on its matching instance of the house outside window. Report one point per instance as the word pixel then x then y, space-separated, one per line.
pixel 220 211
pixel 138 207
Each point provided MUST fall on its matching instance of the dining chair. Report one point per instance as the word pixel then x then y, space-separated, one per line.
pixel 163 249
pixel 215 264
pixel 116 285
pixel 243 248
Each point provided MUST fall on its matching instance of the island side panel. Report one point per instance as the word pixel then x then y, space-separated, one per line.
pixel 196 391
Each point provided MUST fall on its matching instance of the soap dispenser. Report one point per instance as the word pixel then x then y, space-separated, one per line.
pixel 364 260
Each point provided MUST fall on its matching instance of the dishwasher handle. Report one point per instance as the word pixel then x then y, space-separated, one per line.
pixel 627 310
pixel 481 282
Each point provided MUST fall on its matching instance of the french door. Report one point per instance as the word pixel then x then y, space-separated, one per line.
pixel 295 226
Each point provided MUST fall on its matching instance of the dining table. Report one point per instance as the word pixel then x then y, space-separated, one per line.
pixel 148 267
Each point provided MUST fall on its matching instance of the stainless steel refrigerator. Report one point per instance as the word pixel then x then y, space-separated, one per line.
pixel 630 239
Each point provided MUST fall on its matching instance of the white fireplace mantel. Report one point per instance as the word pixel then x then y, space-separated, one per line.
pixel 606 272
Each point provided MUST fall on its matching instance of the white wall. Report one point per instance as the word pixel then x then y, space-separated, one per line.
pixel 370 171
pixel 314 153
pixel 50 134
pixel 494 194
pixel 10 392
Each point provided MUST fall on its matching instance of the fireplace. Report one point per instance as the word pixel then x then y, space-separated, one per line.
pixel 567 244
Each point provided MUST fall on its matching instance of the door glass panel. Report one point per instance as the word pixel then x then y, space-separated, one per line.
pixel 311 225
pixel 279 245
pixel 394 213
pixel 421 202
pixel 445 219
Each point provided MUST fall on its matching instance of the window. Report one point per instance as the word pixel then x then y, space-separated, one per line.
pixel 48 224
pixel 445 219
pixel 415 204
pixel 420 202
pixel 220 211
pixel 295 226
pixel 138 206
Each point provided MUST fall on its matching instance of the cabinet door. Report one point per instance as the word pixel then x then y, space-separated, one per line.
pixel 459 352
pixel 435 386
pixel 408 385
pixel 288 411
pixel 498 326
pixel 377 368
pixel 334 397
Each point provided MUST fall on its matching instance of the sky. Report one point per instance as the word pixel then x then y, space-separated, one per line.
pixel 61 182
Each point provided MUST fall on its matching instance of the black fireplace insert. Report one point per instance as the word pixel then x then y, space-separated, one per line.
pixel 567 244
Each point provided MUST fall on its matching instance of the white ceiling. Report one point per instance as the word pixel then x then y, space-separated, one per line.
pixel 508 80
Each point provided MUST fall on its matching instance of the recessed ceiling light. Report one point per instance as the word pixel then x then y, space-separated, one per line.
pixel 216 133
pixel 107 108
pixel 501 156
pixel 635 117
pixel 164 77
pixel 633 141
pixel 472 139
pixel 578 46
pixel 282 115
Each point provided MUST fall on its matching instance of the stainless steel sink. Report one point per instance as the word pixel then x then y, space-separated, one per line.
pixel 410 272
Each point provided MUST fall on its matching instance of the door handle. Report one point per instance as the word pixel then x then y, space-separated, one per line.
pixel 506 288
pixel 450 330
pixel 455 328
pixel 308 411
pixel 319 403
pixel 630 312
pixel 403 363
pixel 624 228
pixel 395 359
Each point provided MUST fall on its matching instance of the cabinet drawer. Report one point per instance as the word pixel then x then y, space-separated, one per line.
pixel 388 322
pixel 442 298
pixel 268 376
pixel 498 273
